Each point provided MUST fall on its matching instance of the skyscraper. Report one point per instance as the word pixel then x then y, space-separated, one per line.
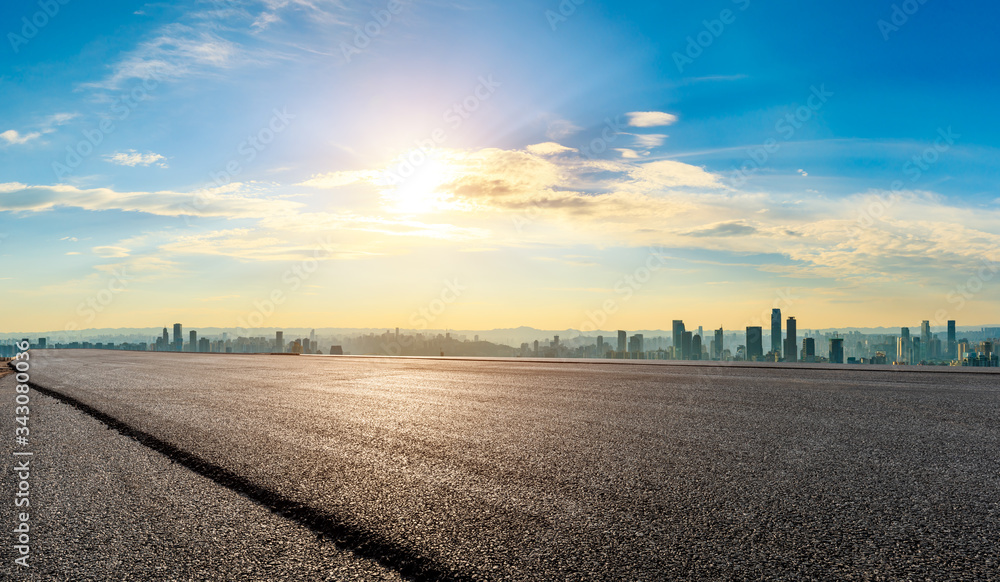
pixel 791 343
pixel 809 349
pixel 193 343
pixel 775 331
pixel 952 344
pixel 696 347
pixel 836 350
pixel 678 334
pixel 904 347
pixel 600 345
pixel 686 341
pixel 621 341
pixel 279 341
pixel 925 333
pixel 718 344
pixel 178 339
pixel 166 340
pixel 755 342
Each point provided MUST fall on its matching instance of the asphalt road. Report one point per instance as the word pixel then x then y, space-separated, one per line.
pixel 500 470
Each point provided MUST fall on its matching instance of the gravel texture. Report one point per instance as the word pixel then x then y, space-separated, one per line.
pixel 505 470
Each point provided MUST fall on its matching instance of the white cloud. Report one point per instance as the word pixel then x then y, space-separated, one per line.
pixel 110 252
pixel 650 118
pixel 133 158
pixel 651 140
pixel 11 136
pixel 560 128
pixel 341 178
pixel 549 148
pixel 628 154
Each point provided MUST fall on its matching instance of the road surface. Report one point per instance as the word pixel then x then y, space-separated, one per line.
pixel 374 468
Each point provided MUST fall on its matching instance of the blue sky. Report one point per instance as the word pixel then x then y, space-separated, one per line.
pixel 564 144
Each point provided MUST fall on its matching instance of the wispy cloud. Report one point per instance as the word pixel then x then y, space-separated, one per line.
pixel 133 158
pixel 650 118
pixel 12 136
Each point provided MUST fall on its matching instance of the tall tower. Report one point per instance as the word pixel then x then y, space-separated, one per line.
pixel 776 330
pixel 193 343
pixel 790 340
pixel 836 350
pixel 166 338
pixel 279 341
pixel 718 344
pixel 678 330
pixel 925 333
pixel 621 341
pixel 178 338
pixel 755 342
pixel 952 344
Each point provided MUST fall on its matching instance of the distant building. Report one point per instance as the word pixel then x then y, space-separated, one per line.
pixel 678 337
pixel 621 341
pixel 635 345
pixel 687 338
pixel 178 338
pixel 336 351
pixel 279 341
pixel 717 355
pixel 791 343
pixel 755 343
pixel 204 345
pixel 193 342
pixel 925 333
pixel 836 350
pixel 696 347
pixel 776 330
pixel 952 345
pixel 809 349
pixel 600 346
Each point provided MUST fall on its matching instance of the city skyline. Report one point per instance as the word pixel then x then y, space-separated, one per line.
pixel 606 166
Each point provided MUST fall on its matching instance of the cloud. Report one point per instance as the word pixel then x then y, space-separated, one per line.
pixel 560 129
pixel 627 153
pixel 11 136
pixel 549 148
pixel 110 252
pixel 651 140
pixel 132 158
pixel 226 202
pixel 731 228
pixel 803 173
pixel 341 178
pixel 650 118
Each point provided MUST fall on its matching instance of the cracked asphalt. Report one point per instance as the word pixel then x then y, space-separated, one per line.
pixel 232 467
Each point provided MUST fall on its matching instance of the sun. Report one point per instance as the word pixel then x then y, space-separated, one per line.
pixel 416 184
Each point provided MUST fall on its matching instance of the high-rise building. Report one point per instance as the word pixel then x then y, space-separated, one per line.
pixel 166 339
pixel 836 350
pixel 312 337
pixel 678 329
pixel 791 343
pixel 555 341
pixel 204 345
pixel 635 345
pixel 193 342
pixel 178 338
pixel 776 330
pixel 686 341
pixel 755 343
pixel 917 348
pixel 696 347
pixel 904 347
pixel 809 349
pixel 279 341
pixel 621 341
pixel 718 344
pixel 600 345
pixel 925 332
pixel 952 345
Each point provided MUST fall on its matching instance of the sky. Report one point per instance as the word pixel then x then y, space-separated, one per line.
pixel 477 164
